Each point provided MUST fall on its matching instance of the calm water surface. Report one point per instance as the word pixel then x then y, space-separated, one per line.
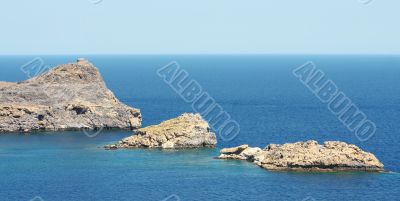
pixel 260 92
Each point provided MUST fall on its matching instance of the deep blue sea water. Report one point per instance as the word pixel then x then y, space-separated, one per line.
pixel 258 91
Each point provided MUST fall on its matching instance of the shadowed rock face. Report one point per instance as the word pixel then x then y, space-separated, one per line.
pixel 185 131
pixel 307 156
pixel 67 97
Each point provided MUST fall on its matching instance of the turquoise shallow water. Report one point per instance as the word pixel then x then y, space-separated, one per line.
pixel 260 92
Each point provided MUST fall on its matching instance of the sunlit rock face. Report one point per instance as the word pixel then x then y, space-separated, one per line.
pixel 307 156
pixel 186 131
pixel 68 97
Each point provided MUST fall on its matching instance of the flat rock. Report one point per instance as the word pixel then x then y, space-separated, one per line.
pixel 234 150
pixel 310 156
pixel 242 152
pixel 68 97
pixel 186 131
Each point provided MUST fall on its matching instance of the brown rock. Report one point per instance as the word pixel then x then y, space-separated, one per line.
pixel 185 131
pixel 67 97
pixel 310 156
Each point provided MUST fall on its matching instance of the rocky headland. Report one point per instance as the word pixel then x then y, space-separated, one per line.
pixel 186 131
pixel 68 97
pixel 307 156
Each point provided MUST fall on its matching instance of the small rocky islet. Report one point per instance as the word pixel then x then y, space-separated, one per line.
pixel 186 131
pixel 74 97
pixel 307 156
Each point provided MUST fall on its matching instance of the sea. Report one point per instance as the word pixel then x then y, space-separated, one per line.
pixel 259 92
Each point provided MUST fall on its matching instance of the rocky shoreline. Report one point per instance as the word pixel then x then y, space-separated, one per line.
pixel 332 156
pixel 68 97
pixel 186 131
pixel 74 96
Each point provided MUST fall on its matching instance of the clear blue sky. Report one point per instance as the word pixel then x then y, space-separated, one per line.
pixel 204 26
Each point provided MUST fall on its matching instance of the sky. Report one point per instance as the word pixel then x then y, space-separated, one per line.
pixel 199 27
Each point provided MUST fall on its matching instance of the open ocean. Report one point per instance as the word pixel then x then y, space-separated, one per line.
pixel 260 92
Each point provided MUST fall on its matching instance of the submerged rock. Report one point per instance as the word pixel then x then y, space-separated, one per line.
pixel 307 156
pixel 185 131
pixel 67 97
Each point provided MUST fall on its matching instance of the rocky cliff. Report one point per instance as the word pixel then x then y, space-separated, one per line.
pixel 67 97
pixel 185 131
pixel 307 156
